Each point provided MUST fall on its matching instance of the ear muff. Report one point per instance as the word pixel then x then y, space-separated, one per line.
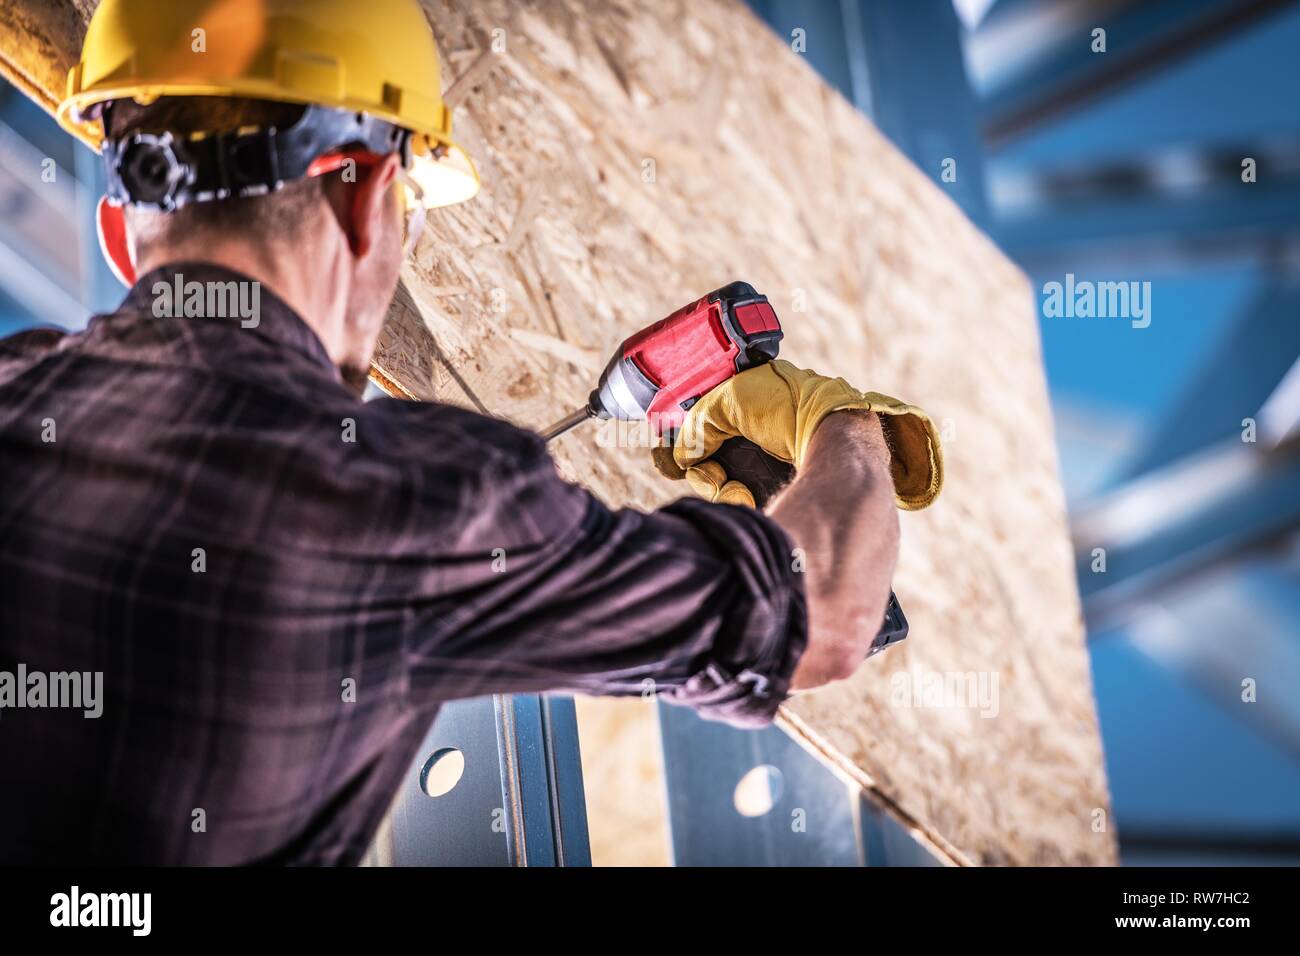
pixel 110 224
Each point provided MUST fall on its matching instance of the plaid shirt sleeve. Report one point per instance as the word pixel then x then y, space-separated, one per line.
pixel 542 587
pixel 278 584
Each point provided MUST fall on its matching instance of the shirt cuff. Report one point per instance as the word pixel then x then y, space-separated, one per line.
pixel 748 673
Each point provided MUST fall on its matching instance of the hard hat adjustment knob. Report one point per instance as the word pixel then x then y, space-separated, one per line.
pixel 149 171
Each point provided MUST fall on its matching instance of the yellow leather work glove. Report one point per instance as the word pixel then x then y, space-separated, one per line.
pixel 778 407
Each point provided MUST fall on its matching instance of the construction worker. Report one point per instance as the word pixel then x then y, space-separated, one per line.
pixel 259 587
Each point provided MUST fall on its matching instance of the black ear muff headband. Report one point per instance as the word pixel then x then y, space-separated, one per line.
pixel 163 171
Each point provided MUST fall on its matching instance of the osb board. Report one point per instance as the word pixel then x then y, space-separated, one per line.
pixel 39 42
pixel 634 156
pixel 623 777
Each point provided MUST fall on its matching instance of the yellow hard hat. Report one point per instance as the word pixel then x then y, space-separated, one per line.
pixel 376 57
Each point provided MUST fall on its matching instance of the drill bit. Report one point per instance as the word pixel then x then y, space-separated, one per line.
pixel 576 417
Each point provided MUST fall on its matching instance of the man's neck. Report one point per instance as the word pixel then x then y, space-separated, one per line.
pixel 318 295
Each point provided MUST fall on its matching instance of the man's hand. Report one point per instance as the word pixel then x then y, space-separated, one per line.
pixel 779 408
pixel 852 467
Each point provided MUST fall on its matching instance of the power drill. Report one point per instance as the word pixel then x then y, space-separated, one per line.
pixel 657 374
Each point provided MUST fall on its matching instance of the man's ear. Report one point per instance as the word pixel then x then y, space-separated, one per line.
pixel 361 206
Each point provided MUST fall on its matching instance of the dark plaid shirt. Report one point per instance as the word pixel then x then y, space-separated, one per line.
pixel 206 515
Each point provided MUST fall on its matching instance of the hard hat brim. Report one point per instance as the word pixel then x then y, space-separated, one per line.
pixel 446 179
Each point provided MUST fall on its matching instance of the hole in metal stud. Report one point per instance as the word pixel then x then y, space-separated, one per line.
pixel 442 771
pixel 758 791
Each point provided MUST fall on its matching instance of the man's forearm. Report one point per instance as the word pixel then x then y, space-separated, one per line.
pixel 840 512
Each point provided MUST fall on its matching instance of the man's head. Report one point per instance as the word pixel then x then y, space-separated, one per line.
pixel 330 245
pixel 329 242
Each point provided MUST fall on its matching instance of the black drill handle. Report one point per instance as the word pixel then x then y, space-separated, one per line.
pixel 764 476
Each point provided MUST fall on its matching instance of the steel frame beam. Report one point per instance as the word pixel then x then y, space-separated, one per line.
pixel 1224 221
pixel 815 818
pixel 1141 38
pixel 1191 515
pixel 519 801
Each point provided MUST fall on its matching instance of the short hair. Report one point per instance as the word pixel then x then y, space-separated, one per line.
pixel 280 214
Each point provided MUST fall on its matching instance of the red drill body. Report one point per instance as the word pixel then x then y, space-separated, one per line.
pixel 661 371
